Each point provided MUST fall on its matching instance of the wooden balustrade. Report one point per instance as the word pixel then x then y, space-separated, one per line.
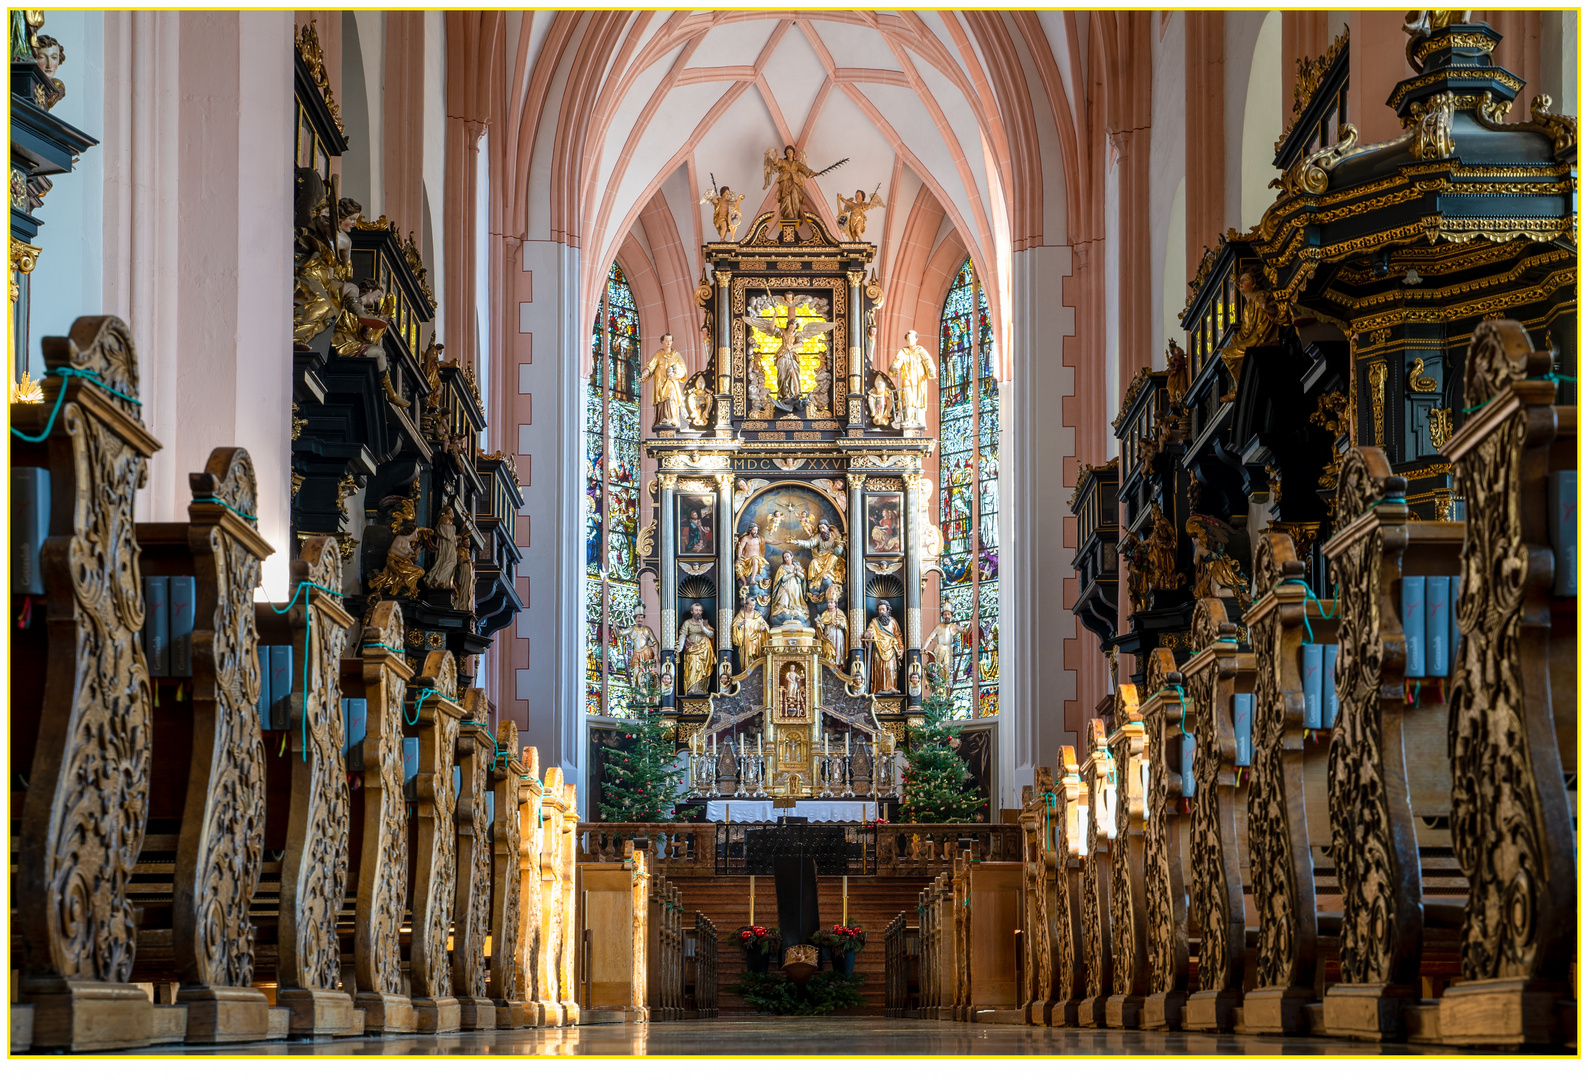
pixel 702 967
pixel 1513 722
pixel 899 964
pixel 379 674
pixel 681 849
pixel 203 854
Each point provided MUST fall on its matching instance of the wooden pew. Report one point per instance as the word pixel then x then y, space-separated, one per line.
pixel 1163 869
pixel 1069 844
pixel 656 967
pixel 1387 761
pixel 199 870
pixel 476 756
pixel 926 912
pixel 78 841
pixel 616 919
pixel 1280 830
pixel 307 800
pixel 569 906
pixel 1216 671
pixel 1513 723
pixel 508 991
pixel 551 907
pixel 992 890
pixel 701 961
pixel 896 967
pixel 379 674
pixel 960 922
pixel 1038 886
pixel 531 841
pixel 1127 748
pixel 437 714
pixel 1096 879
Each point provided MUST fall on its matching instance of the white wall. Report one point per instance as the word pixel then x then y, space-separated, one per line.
pixel 1166 182
pixel 67 282
pixel 1262 121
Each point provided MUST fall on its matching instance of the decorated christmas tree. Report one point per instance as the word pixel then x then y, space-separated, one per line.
pixel 937 785
pixel 640 781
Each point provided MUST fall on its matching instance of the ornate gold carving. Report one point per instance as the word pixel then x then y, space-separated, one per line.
pixel 472 901
pixel 1333 415
pixel 511 793
pixel 1439 428
pixel 308 43
pixel 24 258
pixel 1417 381
pixel 1168 943
pixel 1377 376
pixel 1068 847
pixel 87 807
pixel 1133 391
pixel 1310 175
pixel 1309 74
pixel 1095 880
pixel 1432 118
pixel 1127 899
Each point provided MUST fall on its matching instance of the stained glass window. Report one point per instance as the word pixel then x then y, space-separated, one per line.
pixel 612 497
pixel 968 491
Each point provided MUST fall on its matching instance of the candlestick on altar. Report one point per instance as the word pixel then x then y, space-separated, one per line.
pixel 845 919
pixel 752 899
pixel 846 744
pixel 758 742
pixel 741 742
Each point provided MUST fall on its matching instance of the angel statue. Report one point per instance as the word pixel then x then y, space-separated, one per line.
pixel 791 335
pixel 791 173
pixel 724 210
pixel 852 213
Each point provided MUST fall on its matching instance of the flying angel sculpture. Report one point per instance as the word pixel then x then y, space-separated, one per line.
pixel 791 335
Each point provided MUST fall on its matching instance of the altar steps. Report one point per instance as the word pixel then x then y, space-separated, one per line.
pixel 873 902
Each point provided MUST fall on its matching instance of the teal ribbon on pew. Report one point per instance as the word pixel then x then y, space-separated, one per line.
pixel 308 634
pixel 67 374
pixel 229 506
pixel 419 703
pixel 1306 624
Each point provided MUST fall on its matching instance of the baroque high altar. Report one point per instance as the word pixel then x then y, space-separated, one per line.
pixel 791 522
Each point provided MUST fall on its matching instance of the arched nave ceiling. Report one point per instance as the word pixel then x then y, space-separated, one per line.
pixel 910 98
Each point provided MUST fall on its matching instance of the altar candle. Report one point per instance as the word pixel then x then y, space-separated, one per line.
pixel 713 743
pixel 752 899
pixel 845 919
pixel 846 744
pixel 741 744
pixel 758 742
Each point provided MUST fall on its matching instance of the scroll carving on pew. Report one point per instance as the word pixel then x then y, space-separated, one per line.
pixel 1283 892
pixel 567 908
pixel 1168 940
pixel 551 909
pixel 1039 868
pixel 1370 812
pixel 476 750
pixel 220 849
pixel 314 870
pixel 1069 843
pixel 507 904
pixel 1511 813
pixel 529 892
pixel 383 864
pixel 1216 671
pixel 1096 879
pixel 84 814
pixel 1127 900
pixel 435 868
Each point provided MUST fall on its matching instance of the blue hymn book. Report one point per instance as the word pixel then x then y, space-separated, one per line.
pixel 1331 694
pixel 157 625
pixel 1563 529
pixel 182 598
pixel 1438 626
pixel 1312 686
pixel 1414 624
pixel 1243 730
pixel 30 522
pixel 1188 758
pixel 281 672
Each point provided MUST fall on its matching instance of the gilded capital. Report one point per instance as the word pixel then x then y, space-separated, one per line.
pixel 668 480
pixel 722 278
pixel 857 480
pixel 857 276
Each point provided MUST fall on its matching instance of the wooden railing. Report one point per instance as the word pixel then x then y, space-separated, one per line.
pixel 901 945
pixel 700 959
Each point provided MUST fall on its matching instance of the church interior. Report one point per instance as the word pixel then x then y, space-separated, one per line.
pixel 472 545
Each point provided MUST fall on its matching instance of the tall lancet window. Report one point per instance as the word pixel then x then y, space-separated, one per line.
pixel 611 501
pixel 968 491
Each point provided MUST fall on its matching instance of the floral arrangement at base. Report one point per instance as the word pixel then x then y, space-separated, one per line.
pixel 778 995
pixel 842 938
pixel 758 939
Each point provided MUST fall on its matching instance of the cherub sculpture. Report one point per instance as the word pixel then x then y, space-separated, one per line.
pixel 724 210
pixel 852 213
pixel 791 335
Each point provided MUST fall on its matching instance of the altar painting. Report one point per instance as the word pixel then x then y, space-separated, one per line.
pixel 697 528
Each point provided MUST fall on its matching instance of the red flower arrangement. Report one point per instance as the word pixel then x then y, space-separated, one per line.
pixel 759 939
pixel 841 938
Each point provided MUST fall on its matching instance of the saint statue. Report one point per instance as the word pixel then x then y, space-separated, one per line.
pixel 698 651
pixel 667 395
pixel 832 625
pixel 913 369
pixel 750 632
pixel 1259 325
pixel 446 564
pixel 792 694
pixel 879 401
pixel 928 537
pixel 827 566
pixel 791 173
pixel 788 593
pixel 791 335
pixel 402 573
pixel 885 646
pixel 750 559
pixel 724 210
pixel 852 214
pixel 640 644
pixel 940 644
pixel 699 401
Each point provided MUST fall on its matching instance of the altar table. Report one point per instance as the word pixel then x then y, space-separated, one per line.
pixel 740 811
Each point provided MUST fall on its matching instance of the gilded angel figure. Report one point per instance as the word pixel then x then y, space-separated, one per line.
pixel 791 335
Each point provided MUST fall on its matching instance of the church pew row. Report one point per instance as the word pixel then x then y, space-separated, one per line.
pixel 1267 864
pixel 700 952
pixel 218 877
pixel 901 951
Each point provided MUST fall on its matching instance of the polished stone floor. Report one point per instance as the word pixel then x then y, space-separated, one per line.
pixel 812 1036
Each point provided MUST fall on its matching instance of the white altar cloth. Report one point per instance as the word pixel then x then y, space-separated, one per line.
pixel 749 810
